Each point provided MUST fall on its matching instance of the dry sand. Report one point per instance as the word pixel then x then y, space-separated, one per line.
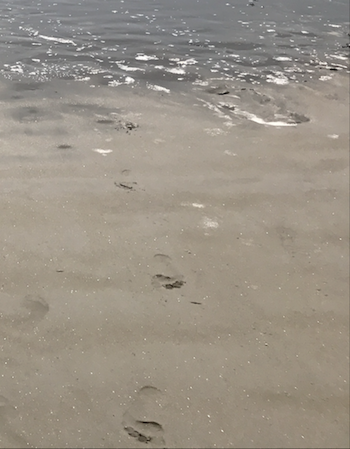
pixel 188 288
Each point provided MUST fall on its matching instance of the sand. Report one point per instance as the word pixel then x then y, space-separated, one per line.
pixel 173 273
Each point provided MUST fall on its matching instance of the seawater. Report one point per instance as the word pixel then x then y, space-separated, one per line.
pixel 172 44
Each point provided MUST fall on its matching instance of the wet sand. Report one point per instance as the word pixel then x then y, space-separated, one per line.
pixel 184 286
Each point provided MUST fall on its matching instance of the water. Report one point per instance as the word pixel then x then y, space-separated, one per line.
pixel 173 43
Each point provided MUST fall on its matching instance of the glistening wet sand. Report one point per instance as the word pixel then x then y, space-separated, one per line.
pixel 169 280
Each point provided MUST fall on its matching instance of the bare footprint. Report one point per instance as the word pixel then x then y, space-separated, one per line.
pixel 64 146
pixel 126 125
pixel 37 308
pixel 3 401
pixel 28 311
pixel 168 282
pixel 142 419
pixel 167 276
pixel 287 237
pixel 126 185
pixel 8 436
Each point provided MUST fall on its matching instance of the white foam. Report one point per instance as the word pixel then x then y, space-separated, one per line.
pixel 143 57
pixel 283 58
pixel 158 88
pixel 333 136
pixel 129 80
pixel 187 62
pixel 279 79
pixel 103 152
pixel 114 83
pixel 57 39
pixel 129 69
pixel 215 109
pixel 325 78
pixel 16 68
pixel 82 78
pixel 343 58
pixel 295 69
pixel 200 83
pixel 175 70
pixel 254 118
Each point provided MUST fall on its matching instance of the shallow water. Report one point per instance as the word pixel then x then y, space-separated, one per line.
pixel 172 44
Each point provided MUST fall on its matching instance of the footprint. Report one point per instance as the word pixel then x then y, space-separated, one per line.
pixel 141 420
pixel 32 114
pixel 126 185
pixel 30 311
pixel 28 114
pixel 7 410
pixel 31 86
pixel 64 146
pixel 3 401
pixel 298 118
pixel 126 125
pixel 167 276
pixel 37 308
pixel 168 282
pixel 8 436
pixel 287 237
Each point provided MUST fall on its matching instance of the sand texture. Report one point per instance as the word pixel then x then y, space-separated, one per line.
pixel 174 269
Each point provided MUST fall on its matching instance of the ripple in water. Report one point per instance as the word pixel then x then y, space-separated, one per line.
pixel 167 44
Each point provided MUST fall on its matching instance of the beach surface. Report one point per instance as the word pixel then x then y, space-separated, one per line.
pixel 174 269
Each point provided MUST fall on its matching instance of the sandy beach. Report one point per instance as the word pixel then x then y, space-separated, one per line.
pixel 174 269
